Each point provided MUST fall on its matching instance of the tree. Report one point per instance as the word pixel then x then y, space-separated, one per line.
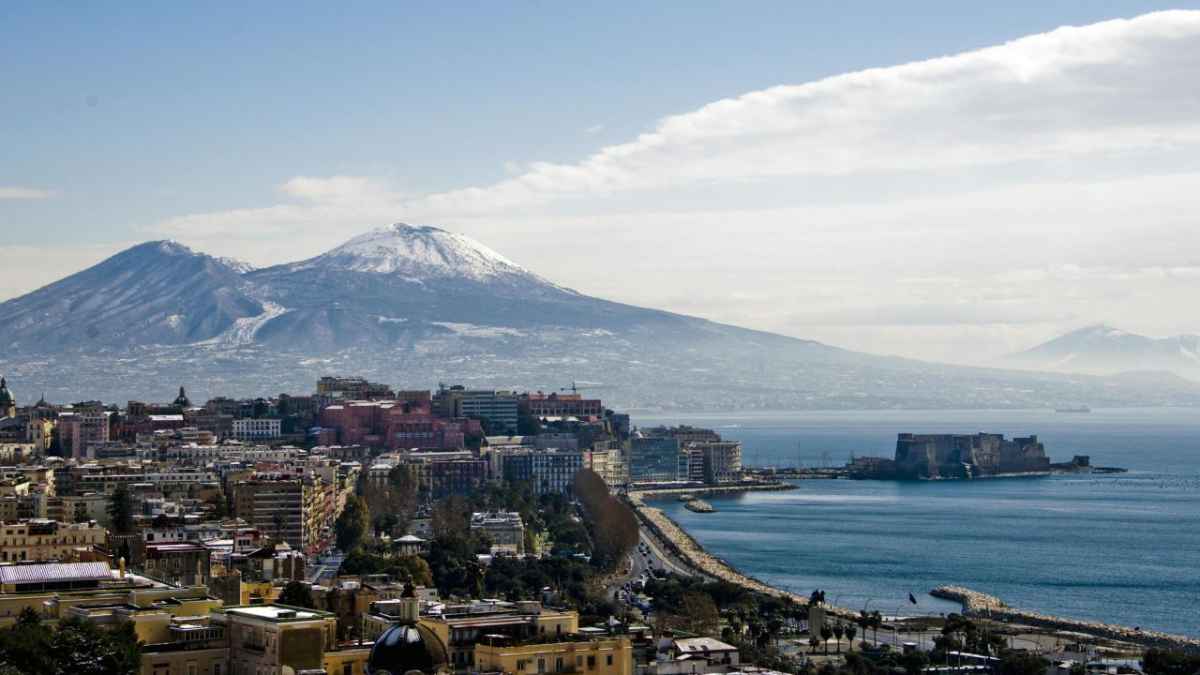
pixel 297 594
pixel 826 633
pixel 839 631
pixel 613 525
pixel 915 661
pixel 813 643
pixel 1159 661
pixel 851 631
pixel 120 510
pixel 352 524
pixel 700 613
pixel 1019 662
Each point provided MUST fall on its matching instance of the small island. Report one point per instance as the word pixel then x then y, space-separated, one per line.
pixel 966 456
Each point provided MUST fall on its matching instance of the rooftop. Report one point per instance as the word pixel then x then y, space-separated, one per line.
pixel 277 612
pixel 44 573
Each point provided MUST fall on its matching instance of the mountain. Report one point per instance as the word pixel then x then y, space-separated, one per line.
pixel 159 292
pixel 1104 350
pixel 413 306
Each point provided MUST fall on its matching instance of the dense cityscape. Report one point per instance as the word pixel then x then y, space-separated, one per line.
pixel 363 529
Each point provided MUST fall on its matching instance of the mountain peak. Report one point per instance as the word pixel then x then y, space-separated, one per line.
pixel 419 251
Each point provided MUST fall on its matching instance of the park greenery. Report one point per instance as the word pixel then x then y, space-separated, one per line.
pixel 74 646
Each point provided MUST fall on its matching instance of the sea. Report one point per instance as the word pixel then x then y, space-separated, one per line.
pixel 1122 548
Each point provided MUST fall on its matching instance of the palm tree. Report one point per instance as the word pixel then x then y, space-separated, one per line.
pixel 826 633
pixel 838 632
pixel 851 631
pixel 876 622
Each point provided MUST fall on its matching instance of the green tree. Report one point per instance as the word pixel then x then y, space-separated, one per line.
pixel 839 631
pixel 352 524
pixel 120 510
pixel 1019 662
pixel 851 631
pixel 1159 661
pixel 826 633
pixel 297 594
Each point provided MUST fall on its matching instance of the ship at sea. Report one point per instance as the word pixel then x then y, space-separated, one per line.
pixel 1073 409
pixel 964 456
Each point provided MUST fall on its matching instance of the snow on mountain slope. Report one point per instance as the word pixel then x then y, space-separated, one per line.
pixel 159 292
pixel 418 253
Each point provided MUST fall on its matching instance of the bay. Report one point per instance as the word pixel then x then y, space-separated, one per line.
pixel 1118 548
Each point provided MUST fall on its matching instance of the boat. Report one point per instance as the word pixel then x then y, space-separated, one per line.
pixel 686 498
pixel 1074 409
pixel 699 506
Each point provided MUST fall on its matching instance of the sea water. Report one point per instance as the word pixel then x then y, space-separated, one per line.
pixel 1119 548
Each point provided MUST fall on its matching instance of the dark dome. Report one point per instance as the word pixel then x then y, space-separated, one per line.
pixel 6 397
pixel 405 647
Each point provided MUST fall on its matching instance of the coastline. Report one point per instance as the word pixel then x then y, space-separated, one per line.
pixel 680 543
pixel 974 604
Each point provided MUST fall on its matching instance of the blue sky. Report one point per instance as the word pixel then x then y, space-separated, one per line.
pixel 131 117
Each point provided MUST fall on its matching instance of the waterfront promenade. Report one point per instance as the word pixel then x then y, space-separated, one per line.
pixel 672 538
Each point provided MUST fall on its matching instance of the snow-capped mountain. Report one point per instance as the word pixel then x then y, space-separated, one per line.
pixel 1103 349
pixel 417 305
pixel 418 253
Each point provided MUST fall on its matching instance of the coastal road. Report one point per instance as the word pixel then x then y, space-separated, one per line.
pixel 657 556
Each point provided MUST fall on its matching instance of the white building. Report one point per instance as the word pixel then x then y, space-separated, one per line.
pixel 256 429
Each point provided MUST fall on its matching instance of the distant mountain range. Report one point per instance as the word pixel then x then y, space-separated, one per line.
pixel 413 306
pixel 1104 350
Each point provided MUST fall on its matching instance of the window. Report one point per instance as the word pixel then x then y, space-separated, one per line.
pixel 348 668
pixel 608 660
pixel 591 662
pixel 558 665
pixel 541 665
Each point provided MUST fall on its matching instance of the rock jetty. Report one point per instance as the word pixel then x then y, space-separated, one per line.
pixel 983 605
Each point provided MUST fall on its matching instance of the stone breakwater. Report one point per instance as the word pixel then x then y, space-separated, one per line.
pixel 983 605
pixel 683 546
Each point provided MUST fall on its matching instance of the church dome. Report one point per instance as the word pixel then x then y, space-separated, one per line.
pixel 405 648
pixel 6 397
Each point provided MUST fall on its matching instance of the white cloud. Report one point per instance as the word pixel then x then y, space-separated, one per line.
pixel 17 192
pixel 998 195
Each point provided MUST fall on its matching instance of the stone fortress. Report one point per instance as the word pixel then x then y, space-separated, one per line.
pixel 953 456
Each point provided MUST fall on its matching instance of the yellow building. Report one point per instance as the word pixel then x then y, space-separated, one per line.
pixel 274 639
pixel 42 540
pixel 460 628
pixel 569 654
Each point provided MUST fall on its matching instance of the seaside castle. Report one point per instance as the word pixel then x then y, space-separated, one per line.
pixel 934 456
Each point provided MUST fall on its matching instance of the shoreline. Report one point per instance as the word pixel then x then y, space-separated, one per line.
pixel 974 604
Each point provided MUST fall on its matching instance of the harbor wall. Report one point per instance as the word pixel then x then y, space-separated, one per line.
pixel 981 605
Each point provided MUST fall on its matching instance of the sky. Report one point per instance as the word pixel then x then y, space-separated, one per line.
pixel 944 180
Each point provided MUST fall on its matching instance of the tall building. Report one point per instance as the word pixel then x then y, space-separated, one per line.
pixel 547 471
pixel 43 540
pixel 656 459
pixel 352 389
pixel 257 429
pixel 79 430
pixel 722 460
pixel 292 510
pixel 499 408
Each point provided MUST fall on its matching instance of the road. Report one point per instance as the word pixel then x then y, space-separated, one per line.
pixel 326 564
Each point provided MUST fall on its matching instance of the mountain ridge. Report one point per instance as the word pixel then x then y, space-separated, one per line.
pixel 1102 349
pixel 422 305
